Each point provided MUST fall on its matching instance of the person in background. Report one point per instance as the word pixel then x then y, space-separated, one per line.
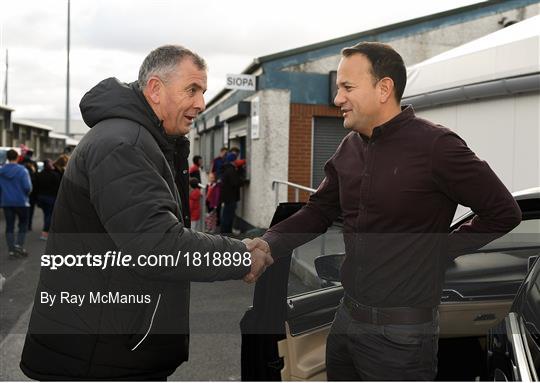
pixel 213 192
pixel 217 163
pixel 15 186
pixel 240 164
pixel 47 185
pixel 230 193
pixel 217 169
pixel 195 204
pixel 32 168
pixel 61 163
pixel 195 168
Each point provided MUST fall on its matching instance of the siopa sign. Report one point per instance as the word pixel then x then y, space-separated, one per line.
pixel 241 82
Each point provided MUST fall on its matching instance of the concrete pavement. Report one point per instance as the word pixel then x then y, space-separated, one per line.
pixel 16 298
pixel 216 310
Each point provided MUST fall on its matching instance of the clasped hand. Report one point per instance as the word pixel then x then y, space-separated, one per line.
pixel 261 258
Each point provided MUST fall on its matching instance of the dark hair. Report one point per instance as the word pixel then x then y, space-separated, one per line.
pixel 196 159
pixel 163 60
pixel 385 62
pixel 61 162
pixel 48 164
pixel 236 150
pixel 12 155
pixel 224 148
pixel 194 182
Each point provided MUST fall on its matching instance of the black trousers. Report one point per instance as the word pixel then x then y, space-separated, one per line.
pixel 364 351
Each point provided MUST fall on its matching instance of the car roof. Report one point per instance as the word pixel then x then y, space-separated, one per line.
pixel 520 195
pixel 527 193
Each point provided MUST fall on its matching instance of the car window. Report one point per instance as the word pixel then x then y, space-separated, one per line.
pixel 526 233
pixel 303 277
pixel 530 314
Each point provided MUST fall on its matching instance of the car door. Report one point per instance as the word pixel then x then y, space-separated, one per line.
pixel 514 345
pixel 473 301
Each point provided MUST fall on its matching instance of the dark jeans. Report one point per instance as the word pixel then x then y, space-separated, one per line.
pixel 227 217
pixel 365 351
pixel 22 214
pixel 31 212
pixel 47 205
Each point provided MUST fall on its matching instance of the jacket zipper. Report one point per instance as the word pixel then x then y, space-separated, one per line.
pixel 149 327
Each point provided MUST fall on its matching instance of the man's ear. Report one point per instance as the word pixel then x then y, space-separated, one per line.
pixel 153 89
pixel 386 85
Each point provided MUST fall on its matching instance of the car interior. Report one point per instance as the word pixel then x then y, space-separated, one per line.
pixel 478 293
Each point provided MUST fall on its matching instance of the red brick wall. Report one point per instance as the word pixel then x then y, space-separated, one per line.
pixel 300 130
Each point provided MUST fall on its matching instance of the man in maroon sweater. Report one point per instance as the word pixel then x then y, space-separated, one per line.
pixel 396 179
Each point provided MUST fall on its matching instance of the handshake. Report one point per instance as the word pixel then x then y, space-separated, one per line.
pixel 261 258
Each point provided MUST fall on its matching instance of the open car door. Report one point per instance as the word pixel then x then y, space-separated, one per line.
pixel 278 329
pixel 263 325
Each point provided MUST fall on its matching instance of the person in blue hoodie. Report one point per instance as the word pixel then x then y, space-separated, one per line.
pixel 15 187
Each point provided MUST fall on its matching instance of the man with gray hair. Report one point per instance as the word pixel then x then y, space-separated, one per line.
pixel 123 202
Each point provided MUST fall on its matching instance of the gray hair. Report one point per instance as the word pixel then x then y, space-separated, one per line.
pixel 162 62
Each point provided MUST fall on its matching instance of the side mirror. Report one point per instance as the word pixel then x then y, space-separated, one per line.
pixel 328 266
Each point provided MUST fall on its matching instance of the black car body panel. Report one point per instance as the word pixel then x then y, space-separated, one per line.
pixel 514 345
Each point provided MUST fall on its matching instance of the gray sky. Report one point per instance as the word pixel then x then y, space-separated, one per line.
pixel 112 37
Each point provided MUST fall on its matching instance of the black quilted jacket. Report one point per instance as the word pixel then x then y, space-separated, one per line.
pixel 120 193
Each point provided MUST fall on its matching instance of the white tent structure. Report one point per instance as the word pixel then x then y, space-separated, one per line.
pixel 488 91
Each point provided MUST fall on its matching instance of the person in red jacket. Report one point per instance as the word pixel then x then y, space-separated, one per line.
pixel 195 168
pixel 195 204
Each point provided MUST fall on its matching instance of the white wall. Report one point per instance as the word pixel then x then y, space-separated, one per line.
pixel 269 158
pixel 503 131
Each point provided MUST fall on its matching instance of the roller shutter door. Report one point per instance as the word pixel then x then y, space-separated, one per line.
pixel 218 141
pixel 327 135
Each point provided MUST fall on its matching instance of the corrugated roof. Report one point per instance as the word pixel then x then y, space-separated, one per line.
pixel 33 124
pixel 5 107
pixel 69 140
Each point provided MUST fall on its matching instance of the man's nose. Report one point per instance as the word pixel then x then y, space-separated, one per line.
pixel 200 105
pixel 339 100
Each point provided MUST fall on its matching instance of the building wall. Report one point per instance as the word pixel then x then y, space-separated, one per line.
pixel 268 158
pixel 3 129
pixel 300 143
pixel 504 131
pixel 421 46
pixel 284 149
pixel 52 148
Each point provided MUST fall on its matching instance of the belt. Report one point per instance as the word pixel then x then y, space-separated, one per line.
pixel 386 315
